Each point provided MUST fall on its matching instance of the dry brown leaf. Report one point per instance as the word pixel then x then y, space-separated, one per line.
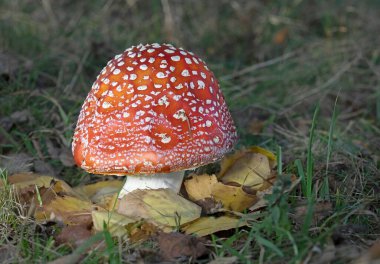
pixel 200 187
pixel 372 256
pixel 232 197
pixel 177 245
pixel 261 202
pixel 67 209
pixel 142 231
pixel 208 225
pixel 161 206
pixel 281 36
pixel 73 235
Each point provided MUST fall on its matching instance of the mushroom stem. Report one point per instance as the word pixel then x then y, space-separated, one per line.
pixel 171 181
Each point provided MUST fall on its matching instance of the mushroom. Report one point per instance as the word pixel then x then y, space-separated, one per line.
pixel 153 112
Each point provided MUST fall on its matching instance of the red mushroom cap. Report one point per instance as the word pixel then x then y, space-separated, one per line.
pixel 153 108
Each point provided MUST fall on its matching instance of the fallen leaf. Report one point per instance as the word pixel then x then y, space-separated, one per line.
pixel 261 202
pixel 281 36
pixel 251 170
pixel 73 235
pixel 176 246
pixel 206 191
pixel 233 197
pixel 209 206
pixel 66 209
pixel 110 203
pixel 24 182
pixel 142 231
pixel 209 225
pixel 102 193
pixel 252 167
pixel 116 223
pixel 161 206
pixel 199 187
pixel 372 256
pixel 102 188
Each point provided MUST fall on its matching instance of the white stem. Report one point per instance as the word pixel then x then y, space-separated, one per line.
pixel 171 180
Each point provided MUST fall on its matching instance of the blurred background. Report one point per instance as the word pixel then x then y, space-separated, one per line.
pixel 275 61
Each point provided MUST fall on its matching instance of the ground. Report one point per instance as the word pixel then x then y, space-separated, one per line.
pixel 302 77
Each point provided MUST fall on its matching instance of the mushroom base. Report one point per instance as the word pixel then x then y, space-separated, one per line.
pixel 172 180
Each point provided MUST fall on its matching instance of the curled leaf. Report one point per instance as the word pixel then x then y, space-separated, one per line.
pixel 251 168
pixel 200 187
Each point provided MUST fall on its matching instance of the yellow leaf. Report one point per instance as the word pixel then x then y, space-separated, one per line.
pixel 34 188
pixel 69 210
pixel 116 223
pixel 232 197
pixel 110 203
pixel 26 180
pixel 265 152
pixel 200 187
pixel 208 225
pixel 101 188
pixel 252 168
pixel 39 181
pixel 161 206
pixel 229 160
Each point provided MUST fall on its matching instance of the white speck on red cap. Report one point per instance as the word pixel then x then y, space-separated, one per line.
pixel 162 112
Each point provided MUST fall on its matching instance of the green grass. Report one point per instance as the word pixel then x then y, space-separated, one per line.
pixel 52 56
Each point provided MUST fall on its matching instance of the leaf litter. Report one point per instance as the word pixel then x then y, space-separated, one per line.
pixel 208 204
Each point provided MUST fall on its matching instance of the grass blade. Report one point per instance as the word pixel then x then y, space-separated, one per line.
pixel 325 190
pixel 310 161
pixel 279 160
pixel 266 243
pixel 301 173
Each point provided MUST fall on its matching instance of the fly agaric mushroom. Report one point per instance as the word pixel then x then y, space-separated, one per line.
pixel 153 112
